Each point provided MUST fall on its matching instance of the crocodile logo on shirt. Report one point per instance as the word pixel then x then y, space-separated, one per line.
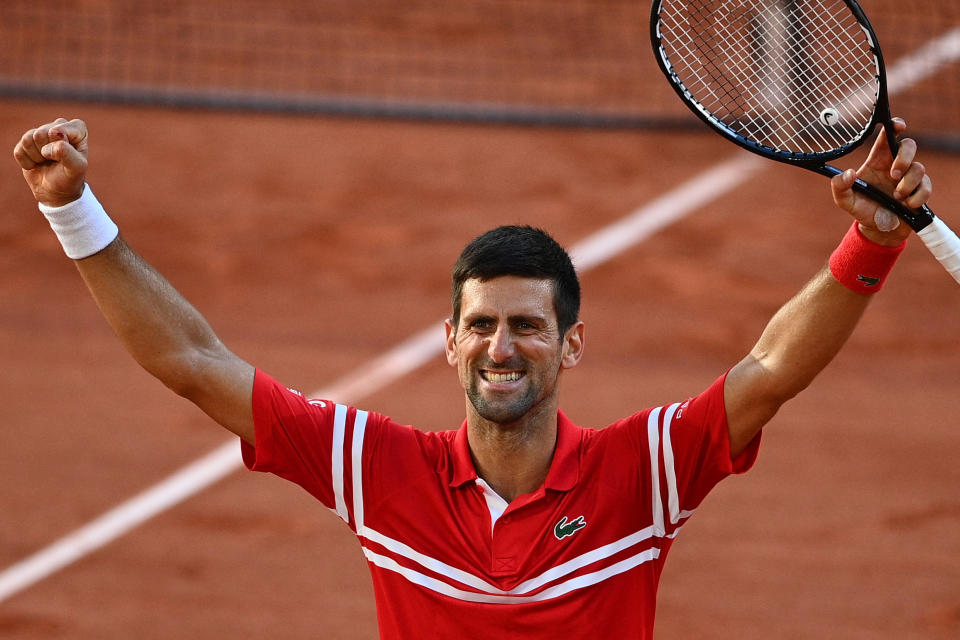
pixel 564 528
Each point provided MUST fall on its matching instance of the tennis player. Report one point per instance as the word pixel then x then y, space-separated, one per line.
pixel 519 524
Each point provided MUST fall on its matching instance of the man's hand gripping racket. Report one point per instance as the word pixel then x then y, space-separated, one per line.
pixel 899 176
pixel 802 82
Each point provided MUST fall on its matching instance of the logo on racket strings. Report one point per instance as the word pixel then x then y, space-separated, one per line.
pixel 830 117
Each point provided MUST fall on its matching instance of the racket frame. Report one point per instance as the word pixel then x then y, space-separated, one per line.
pixel 917 219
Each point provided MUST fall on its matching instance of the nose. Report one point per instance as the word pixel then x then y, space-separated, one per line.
pixel 501 347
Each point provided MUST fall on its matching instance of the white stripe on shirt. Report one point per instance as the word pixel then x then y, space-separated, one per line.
pixel 554 573
pixel 359 428
pixel 336 466
pixel 653 441
pixel 673 499
pixel 579 582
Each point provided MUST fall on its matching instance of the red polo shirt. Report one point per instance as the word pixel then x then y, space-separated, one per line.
pixel 578 558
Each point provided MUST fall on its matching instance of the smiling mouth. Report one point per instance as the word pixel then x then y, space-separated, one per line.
pixel 506 376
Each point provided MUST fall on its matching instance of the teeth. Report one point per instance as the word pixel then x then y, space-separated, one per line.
pixel 512 376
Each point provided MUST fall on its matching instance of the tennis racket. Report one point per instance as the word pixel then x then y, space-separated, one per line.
pixel 797 81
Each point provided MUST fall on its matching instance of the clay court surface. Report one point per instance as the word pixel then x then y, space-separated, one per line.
pixel 314 245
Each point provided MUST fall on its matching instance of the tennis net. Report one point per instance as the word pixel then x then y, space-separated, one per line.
pixel 585 62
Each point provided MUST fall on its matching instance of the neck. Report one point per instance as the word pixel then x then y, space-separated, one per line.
pixel 514 458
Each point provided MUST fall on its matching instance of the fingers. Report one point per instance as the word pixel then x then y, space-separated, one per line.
pixel 898 174
pixel 27 153
pixel 842 187
pixel 74 131
pixel 58 141
pixel 902 176
pixel 905 156
pixel 915 188
pixel 880 157
pixel 53 158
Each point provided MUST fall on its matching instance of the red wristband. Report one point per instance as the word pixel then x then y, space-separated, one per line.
pixel 861 265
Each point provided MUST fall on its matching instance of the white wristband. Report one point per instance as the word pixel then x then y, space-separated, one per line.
pixel 82 226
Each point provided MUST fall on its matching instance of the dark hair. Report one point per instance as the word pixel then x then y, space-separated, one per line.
pixel 520 251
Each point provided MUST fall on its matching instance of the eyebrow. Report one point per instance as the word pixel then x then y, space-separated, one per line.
pixel 512 319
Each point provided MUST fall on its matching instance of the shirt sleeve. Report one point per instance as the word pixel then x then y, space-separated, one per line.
pixel 682 451
pixel 695 446
pixel 305 441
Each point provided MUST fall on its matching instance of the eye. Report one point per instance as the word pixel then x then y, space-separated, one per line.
pixel 526 326
pixel 480 324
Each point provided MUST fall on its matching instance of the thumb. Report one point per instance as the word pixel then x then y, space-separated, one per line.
pixel 60 149
pixel 842 187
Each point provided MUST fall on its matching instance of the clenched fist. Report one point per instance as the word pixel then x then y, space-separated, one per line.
pixel 53 158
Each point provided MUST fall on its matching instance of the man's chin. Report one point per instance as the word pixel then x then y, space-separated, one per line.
pixel 499 412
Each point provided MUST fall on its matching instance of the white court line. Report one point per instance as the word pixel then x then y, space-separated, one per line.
pixel 367 379
pixel 924 62
pixel 427 344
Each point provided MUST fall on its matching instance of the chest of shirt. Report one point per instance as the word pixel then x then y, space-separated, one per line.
pixel 540 538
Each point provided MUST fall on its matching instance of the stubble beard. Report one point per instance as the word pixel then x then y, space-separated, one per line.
pixel 508 408
pixel 506 411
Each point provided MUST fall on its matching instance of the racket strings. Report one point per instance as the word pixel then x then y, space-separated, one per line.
pixel 797 76
pixel 854 89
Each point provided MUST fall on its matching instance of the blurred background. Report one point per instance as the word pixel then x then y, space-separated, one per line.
pixel 582 62
pixel 306 173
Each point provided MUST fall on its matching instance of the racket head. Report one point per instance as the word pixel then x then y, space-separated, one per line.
pixel 798 81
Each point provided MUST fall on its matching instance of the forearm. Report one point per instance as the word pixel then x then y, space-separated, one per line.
pixel 808 332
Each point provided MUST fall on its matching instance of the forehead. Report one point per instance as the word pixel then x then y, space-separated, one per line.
pixel 508 296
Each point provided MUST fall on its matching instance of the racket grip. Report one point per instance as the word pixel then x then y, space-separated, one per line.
pixel 918 219
pixel 944 245
pixel 935 234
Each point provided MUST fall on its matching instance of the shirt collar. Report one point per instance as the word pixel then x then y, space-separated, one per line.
pixel 564 469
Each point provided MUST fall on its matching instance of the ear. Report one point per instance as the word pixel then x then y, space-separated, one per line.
pixel 450 345
pixel 572 346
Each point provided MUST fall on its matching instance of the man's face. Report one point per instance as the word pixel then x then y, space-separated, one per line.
pixel 507 347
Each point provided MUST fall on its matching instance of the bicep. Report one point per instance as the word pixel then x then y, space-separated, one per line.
pixel 222 387
pixel 750 400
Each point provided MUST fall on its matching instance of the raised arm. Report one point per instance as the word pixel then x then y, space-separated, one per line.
pixel 160 329
pixel 809 330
